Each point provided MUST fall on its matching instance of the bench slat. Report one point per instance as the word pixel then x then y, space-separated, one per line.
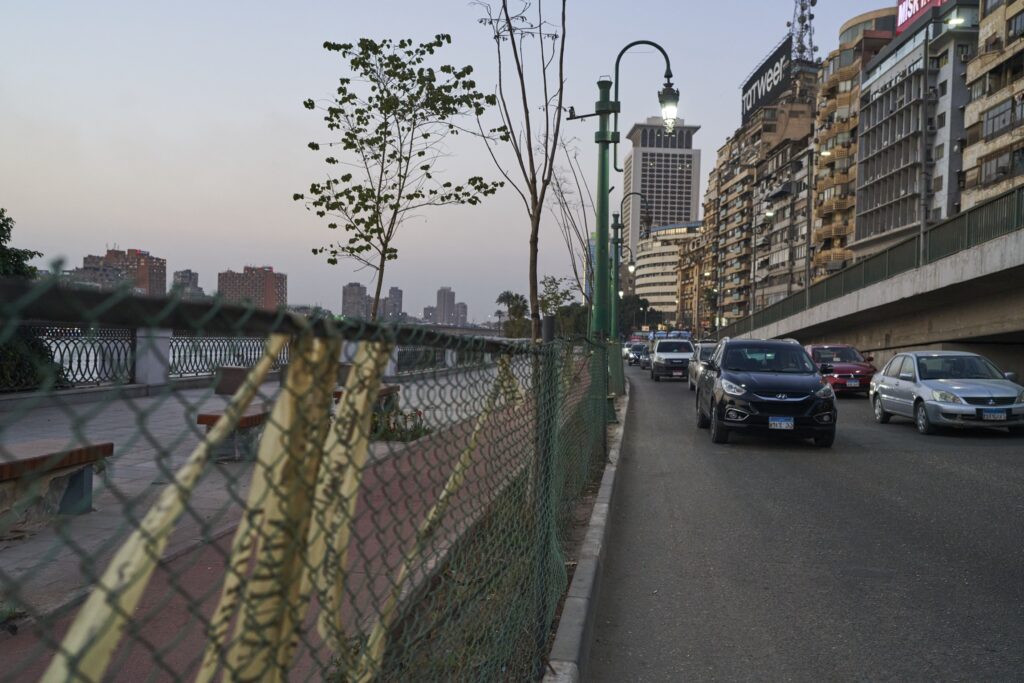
pixel 27 458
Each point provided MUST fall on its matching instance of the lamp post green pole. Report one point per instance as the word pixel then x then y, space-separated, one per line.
pixel 613 324
pixel 604 138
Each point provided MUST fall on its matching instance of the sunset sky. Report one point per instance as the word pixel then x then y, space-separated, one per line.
pixel 179 128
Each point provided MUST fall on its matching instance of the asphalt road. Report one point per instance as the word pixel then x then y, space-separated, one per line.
pixel 890 556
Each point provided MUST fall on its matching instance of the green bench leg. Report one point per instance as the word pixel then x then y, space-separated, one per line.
pixel 77 498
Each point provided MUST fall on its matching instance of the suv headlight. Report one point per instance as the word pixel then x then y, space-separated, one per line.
pixel 1020 397
pixel 945 397
pixel 825 391
pixel 732 388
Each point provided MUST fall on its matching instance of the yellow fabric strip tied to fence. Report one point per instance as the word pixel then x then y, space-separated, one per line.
pixel 90 642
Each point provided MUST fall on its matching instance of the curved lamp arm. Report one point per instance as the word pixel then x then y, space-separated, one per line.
pixel 643 202
pixel 668 84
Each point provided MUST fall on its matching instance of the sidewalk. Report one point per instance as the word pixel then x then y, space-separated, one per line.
pixel 152 438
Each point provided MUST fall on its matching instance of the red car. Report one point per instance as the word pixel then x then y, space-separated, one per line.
pixel 851 372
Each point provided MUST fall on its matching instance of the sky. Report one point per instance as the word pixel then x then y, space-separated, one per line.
pixel 178 127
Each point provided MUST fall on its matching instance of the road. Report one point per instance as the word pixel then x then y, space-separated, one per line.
pixel 891 556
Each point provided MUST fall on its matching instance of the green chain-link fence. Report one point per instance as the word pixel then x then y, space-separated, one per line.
pixel 347 502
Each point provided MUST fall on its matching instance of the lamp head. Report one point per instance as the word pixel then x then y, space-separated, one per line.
pixel 621 294
pixel 668 98
pixel 631 267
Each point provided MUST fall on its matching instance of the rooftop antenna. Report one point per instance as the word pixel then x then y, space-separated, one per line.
pixel 801 27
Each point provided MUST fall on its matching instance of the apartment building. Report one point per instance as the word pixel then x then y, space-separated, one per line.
pixel 993 157
pixel 911 126
pixel 835 132
pixel 657 267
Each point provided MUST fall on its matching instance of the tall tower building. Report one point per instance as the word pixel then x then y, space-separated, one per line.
pixel 353 301
pixel 665 168
pixel 393 304
pixel 445 310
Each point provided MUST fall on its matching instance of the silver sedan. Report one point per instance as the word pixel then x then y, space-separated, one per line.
pixel 947 389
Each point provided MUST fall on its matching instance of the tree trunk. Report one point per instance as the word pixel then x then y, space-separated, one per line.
pixel 380 284
pixel 535 216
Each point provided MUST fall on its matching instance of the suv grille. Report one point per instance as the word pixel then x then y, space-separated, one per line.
pixel 781 407
pixel 996 401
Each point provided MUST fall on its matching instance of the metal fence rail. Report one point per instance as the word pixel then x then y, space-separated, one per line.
pixel 295 529
pixel 82 355
pixel 195 355
pixel 999 216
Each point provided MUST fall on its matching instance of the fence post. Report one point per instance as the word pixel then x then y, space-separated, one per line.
pixel 543 512
pixel 152 356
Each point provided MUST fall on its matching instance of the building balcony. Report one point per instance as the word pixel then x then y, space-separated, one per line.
pixel 828 109
pixel 833 231
pixel 848 72
pixel 832 257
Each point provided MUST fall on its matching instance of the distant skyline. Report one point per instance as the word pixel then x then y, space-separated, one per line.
pixel 179 129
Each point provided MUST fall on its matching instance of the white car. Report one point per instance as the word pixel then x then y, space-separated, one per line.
pixel 670 358
pixel 625 349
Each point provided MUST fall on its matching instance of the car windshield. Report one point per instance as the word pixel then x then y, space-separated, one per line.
pixel 789 359
pixel 837 354
pixel 674 347
pixel 956 367
pixel 706 352
pixel 637 348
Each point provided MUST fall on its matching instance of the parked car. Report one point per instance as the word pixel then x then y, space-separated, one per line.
pixel 851 371
pixel 702 351
pixel 947 389
pixel 670 358
pixel 625 350
pixel 634 353
pixel 765 386
pixel 645 358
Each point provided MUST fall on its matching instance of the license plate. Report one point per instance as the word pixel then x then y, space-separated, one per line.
pixel 780 423
pixel 993 414
pixel 677 373
pixel 852 383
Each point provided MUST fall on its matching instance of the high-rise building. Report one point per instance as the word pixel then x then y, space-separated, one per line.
pixel 665 168
pixel 429 314
pixel 258 285
pixel 461 314
pixel 445 313
pixel 393 305
pixel 657 267
pixel 994 152
pixel 835 132
pixel 777 111
pixel 697 296
pixel 186 284
pixel 911 126
pixel 353 301
pixel 146 273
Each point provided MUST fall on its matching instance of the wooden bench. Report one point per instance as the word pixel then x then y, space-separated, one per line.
pixel 70 466
pixel 241 443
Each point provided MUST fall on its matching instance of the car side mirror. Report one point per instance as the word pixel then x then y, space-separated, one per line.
pixel 1012 376
pixel 826 368
pixel 869 358
pixel 907 377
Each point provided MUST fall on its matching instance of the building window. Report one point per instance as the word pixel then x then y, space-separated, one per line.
pixel 998 119
pixel 942 120
pixel 991 5
pixel 942 88
pixel 940 151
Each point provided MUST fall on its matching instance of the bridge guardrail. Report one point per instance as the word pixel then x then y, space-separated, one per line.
pixel 995 218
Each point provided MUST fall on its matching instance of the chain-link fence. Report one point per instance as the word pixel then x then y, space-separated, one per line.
pixel 314 520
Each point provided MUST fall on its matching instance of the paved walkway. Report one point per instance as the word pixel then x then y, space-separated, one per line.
pixel 153 436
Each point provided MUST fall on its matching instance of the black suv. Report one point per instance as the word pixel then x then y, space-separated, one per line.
pixel 767 386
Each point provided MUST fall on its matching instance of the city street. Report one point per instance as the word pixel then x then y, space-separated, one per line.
pixel 891 556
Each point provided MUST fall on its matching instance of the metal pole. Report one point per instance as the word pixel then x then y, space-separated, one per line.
pixel 613 323
pixel 811 182
pixel 604 138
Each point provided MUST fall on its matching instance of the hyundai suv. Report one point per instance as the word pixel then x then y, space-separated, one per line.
pixel 670 358
pixel 768 387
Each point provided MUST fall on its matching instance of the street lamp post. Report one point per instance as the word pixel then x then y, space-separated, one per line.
pixel 617 247
pixel 606 136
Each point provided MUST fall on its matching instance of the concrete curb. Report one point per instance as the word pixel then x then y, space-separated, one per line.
pixel 571 649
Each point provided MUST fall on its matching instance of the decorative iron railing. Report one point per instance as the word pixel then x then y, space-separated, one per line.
pixel 68 355
pixel 196 356
pixel 418 359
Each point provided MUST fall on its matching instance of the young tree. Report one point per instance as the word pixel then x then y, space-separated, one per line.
pixel 389 122
pixel 571 212
pixel 14 262
pixel 533 50
pixel 553 295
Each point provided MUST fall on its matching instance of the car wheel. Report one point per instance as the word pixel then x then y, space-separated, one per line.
pixel 719 434
pixel 655 376
pixel 924 425
pixel 825 440
pixel 702 419
pixel 693 387
pixel 881 417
